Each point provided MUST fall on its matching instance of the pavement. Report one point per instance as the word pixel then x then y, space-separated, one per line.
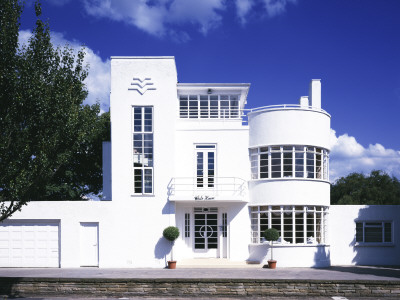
pixel 351 273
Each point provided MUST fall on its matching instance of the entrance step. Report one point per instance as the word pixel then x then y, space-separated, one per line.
pixel 209 263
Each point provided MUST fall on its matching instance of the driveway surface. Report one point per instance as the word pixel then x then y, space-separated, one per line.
pixel 332 273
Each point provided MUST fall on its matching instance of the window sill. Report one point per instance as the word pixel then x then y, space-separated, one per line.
pixel 142 195
pixel 374 245
pixel 289 179
pixel 290 245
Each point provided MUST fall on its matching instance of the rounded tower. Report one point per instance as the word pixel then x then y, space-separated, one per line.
pixel 289 188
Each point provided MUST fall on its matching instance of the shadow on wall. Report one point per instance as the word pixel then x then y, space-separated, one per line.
pixel 162 248
pixel 375 254
pixel 322 258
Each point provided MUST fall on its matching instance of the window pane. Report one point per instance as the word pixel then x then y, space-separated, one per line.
pixel 264 166
pixel 373 234
pixel 388 232
pixel 138 180
pixel 359 232
pixel 148 181
pixel 275 165
pixel 287 164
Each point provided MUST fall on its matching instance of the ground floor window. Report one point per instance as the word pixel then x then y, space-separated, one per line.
pixel 374 232
pixel 295 224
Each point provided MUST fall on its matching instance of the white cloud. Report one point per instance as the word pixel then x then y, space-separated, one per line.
pixel 163 17
pixel 348 156
pixel 272 7
pixel 276 7
pixel 98 80
pixel 158 16
pixel 243 7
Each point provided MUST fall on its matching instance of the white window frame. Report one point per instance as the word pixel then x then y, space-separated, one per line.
pixel 143 168
pixel 373 224
pixel 278 150
pixel 318 237
pixel 231 113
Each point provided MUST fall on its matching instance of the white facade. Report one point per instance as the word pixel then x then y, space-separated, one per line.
pixel 184 155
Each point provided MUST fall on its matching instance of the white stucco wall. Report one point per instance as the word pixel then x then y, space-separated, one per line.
pixel 342 233
pixel 289 192
pixel 289 127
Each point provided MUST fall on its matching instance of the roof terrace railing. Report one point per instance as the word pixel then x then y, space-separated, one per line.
pixel 236 114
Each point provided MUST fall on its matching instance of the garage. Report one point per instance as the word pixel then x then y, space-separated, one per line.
pixel 26 243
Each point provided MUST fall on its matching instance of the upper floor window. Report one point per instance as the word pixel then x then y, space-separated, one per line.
pixel 209 106
pixel 374 232
pixel 143 150
pixel 289 161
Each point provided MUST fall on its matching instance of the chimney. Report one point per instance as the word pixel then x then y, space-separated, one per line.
pixel 304 101
pixel 315 93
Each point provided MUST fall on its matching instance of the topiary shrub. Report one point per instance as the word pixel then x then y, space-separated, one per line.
pixel 171 233
pixel 271 234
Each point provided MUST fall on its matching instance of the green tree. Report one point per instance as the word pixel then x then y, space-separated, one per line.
pixel 47 136
pixel 377 188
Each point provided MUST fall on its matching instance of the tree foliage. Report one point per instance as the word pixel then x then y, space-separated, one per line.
pixel 50 143
pixel 376 188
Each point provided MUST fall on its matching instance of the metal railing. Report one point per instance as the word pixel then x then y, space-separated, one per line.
pixel 207 188
pixel 238 114
pixel 283 107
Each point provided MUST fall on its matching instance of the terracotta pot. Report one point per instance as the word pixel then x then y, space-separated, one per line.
pixel 272 264
pixel 172 264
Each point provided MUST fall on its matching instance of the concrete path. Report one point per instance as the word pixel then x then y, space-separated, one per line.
pixel 332 273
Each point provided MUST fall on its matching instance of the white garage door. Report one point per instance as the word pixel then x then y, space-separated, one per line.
pixel 29 244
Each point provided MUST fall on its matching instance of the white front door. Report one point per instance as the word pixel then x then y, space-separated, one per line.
pixel 89 245
pixel 206 233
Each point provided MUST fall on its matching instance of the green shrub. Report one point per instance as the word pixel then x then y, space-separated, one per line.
pixel 171 233
pixel 271 234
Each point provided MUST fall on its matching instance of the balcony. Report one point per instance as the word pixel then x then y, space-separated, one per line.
pixel 219 189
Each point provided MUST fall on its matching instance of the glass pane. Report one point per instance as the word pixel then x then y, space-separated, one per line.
pixel 213 107
pixel 200 170
pixel 138 181
pixel 204 109
pixel 373 234
pixel 359 232
pixel 193 109
pixel 388 232
pixel 148 181
pixel 224 109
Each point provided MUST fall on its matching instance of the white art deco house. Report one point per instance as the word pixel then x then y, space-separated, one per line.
pixel 190 155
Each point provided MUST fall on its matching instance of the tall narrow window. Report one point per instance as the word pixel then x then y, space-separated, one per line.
pixel 187 225
pixel 205 166
pixel 143 150
pixel 224 225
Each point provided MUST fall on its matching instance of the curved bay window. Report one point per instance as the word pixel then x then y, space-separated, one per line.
pixel 295 224
pixel 289 162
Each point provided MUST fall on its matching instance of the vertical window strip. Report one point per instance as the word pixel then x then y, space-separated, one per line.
pixel 224 225
pixel 143 149
pixel 187 225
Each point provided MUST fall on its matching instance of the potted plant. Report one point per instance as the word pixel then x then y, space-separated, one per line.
pixel 271 234
pixel 171 233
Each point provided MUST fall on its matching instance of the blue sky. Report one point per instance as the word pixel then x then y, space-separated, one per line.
pixel 353 46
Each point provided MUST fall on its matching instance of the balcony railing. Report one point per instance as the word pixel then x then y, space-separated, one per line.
pixel 219 188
